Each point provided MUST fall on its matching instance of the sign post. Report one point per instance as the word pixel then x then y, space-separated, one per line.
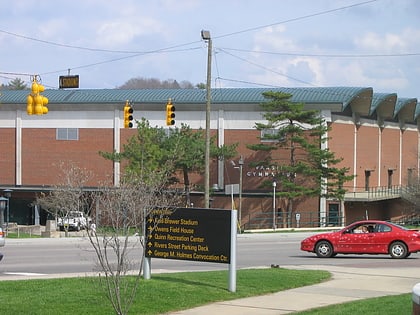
pixel 297 219
pixel 232 265
pixel 147 266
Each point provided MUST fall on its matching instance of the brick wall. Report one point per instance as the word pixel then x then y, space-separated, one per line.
pixel 42 154
pixel 7 156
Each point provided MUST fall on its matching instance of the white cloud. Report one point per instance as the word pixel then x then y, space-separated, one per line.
pixel 314 67
pixel 407 41
pixel 273 38
pixel 119 32
pixel 381 27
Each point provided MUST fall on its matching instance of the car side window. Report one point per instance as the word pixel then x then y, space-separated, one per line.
pixel 361 229
pixel 383 228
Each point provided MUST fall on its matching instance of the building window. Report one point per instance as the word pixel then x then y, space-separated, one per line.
pixel 67 134
pixel 390 173
pixel 270 135
pixel 367 180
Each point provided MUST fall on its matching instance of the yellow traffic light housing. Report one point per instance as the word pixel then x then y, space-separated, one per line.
pixel 30 105
pixel 36 103
pixel 128 115
pixel 170 113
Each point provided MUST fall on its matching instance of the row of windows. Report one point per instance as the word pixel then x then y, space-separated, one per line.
pixel 73 134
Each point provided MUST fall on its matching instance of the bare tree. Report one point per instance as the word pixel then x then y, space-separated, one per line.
pixel 119 246
pixel 69 195
pixel 153 83
pixel 118 242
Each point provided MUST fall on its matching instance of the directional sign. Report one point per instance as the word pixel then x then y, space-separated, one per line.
pixel 69 81
pixel 189 234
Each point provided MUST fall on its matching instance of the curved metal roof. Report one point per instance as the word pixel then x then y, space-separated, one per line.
pixel 343 95
pixel 383 104
pixel 360 100
pixel 417 112
pixel 405 109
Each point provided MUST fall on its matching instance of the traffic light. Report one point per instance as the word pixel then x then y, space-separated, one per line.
pixel 128 115
pixel 170 113
pixel 36 103
pixel 30 105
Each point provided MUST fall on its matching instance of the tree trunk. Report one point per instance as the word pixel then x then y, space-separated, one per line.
pixel 289 212
pixel 187 187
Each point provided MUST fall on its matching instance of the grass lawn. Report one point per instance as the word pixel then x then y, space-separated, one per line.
pixel 21 235
pixel 388 305
pixel 163 293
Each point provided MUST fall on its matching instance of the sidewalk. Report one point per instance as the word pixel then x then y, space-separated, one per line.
pixel 347 284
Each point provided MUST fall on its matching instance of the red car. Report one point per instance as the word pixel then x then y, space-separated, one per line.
pixel 365 237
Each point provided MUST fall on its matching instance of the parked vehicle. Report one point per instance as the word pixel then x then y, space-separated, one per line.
pixel 365 237
pixel 73 221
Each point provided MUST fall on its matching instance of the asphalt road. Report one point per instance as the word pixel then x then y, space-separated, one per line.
pixel 61 257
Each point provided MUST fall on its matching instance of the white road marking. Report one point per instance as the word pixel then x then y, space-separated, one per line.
pixel 24 274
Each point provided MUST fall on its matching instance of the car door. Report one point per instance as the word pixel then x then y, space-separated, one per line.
pixel 350 242
pixel 381 239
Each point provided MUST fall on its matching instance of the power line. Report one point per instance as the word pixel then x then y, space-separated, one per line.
pixel 122 58
pixel 247 82
pixel 93 49
pixel 296 19
pixel 266 69
pixel 16 73
pixel 322 55
pixel 180 45
pixel 133 53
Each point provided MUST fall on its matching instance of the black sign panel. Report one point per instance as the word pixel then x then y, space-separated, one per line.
pixel 189 234
pixel 69 82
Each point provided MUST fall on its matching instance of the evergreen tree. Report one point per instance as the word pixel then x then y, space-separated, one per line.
pixel 155 151
pixel 308 168
pixel 15 84
pixel 144 156
pixel 189 146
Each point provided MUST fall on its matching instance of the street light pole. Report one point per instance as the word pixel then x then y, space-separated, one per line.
pixel 205 35
pixel 3 205
pixel 8 195
pixel 241 164
pixel 274 205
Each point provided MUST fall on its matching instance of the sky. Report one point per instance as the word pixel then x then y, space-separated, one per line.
pixel 264 43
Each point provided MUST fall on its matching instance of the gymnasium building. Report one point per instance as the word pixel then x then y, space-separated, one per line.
pixel 376 134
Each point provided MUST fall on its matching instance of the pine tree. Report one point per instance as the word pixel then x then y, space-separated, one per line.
pixel 295 149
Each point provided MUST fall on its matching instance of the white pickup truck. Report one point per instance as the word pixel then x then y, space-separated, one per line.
pixel 74 220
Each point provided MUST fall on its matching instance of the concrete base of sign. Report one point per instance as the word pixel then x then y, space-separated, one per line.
pixel 50 234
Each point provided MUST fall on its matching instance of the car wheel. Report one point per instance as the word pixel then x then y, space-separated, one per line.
pixel 78 228
pixel 324 249
pixel 398 250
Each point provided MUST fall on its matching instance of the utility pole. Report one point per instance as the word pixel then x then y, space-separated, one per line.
pixel 205 35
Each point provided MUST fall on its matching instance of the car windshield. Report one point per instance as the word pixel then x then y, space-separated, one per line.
pixel 74 214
